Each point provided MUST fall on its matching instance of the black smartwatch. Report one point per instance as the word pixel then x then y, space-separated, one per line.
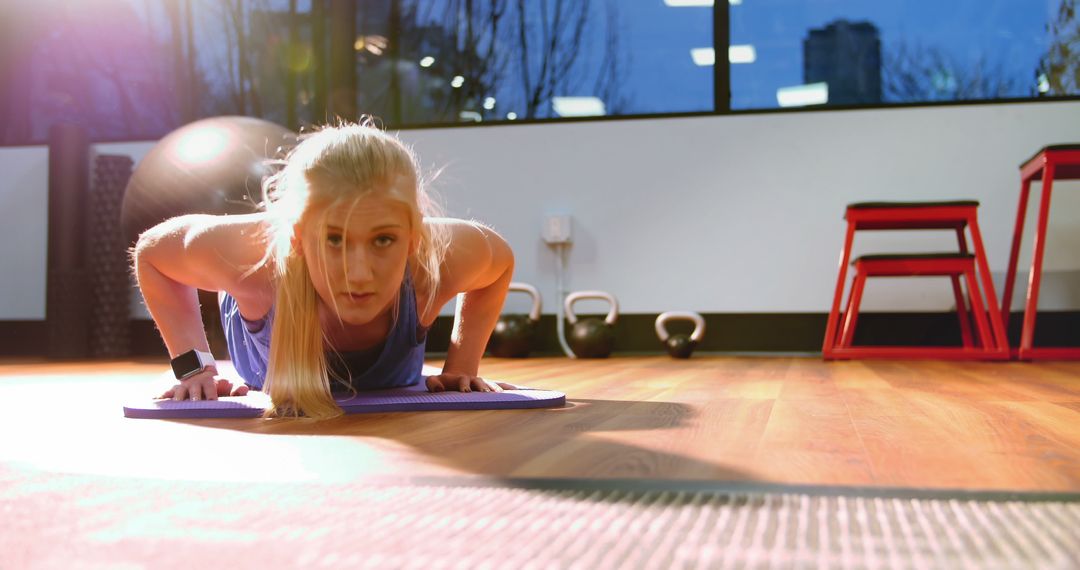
pixel 190 363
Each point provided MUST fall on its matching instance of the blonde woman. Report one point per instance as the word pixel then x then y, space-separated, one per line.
pixel 332 287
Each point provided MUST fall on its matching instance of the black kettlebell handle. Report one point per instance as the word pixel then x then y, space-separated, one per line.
pixel 518 286
pixel 699 324
pixel 613 313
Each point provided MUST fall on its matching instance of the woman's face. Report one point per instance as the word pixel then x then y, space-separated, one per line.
pixel 364 247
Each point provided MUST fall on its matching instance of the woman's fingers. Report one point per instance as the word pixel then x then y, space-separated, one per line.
pixel 205 389
pixel 443 382
pixel 483 385
pixel 434 384
pixel 479 384
pixel 195 390
pixel 179 392
pixel 226 388
pixel 465 383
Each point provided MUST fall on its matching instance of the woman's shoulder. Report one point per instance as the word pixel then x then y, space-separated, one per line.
pixel 461 234
pixel 231 253
pixel 237 240
pixel 209 229
pixel 253 224
pixel 475 255
pixel 243 244
pixel 472 244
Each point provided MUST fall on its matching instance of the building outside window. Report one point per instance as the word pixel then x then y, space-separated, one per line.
pixel 855 53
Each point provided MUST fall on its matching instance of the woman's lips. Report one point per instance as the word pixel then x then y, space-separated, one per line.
pixel 359 297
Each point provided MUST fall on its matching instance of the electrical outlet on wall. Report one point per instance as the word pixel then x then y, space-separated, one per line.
pixel 556 229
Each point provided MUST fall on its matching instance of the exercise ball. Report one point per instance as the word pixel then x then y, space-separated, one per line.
pixel 210 166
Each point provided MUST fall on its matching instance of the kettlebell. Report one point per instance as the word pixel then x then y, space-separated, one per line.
pixel 513 334
pixel 680 345
pixel 591 338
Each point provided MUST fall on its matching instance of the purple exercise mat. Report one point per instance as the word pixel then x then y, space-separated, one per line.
pixel 410 399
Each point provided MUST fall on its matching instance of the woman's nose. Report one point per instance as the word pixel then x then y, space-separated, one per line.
pixel 358 267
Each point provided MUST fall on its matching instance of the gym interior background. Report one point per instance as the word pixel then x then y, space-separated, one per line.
pixel 679 199
pixel 693 181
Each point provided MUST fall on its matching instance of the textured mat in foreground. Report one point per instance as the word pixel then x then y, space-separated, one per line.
pixel 98 522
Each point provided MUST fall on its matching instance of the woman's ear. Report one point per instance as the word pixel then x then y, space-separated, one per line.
pixel 414 243
pixel 295 241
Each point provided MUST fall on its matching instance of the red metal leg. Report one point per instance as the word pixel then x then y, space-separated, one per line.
pixel 1014 250
pixel 854 300
pixel 999 341
pixel 1027 336
pixel 961 311
pixel 979 311
pixel 831 328
pixel 961 240
pixel 845 316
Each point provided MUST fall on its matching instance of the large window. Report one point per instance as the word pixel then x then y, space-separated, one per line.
pixel 856 52
pixel 135 69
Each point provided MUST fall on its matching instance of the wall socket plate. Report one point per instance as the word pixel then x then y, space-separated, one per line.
pixel 557 229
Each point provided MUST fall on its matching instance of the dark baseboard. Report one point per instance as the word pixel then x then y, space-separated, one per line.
pixel 23 338
pixel 635 334
pixel 31 339
pixel 803 332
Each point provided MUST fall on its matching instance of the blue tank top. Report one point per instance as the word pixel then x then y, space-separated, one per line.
pixel 397 362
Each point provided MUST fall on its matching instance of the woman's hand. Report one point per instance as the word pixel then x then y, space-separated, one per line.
pixel 477 270
pixel 464 383
pixel 205 385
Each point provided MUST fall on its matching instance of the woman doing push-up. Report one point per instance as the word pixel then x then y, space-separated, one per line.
pixel 331 286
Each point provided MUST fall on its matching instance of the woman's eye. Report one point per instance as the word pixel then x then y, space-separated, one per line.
pixel 334 240
pixel 384 241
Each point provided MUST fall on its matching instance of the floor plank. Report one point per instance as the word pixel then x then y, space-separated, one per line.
pixel 927 424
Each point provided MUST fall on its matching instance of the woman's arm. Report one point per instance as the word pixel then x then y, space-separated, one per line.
pixel 179 256
pixel 479 265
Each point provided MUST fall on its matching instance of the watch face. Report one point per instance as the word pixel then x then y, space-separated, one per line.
pixel 186 364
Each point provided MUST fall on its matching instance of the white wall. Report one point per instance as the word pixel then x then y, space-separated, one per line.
pixel 744 213
pixel 24 198
pixel 715 214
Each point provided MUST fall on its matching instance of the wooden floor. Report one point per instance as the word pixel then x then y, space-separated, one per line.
pixel 1003 426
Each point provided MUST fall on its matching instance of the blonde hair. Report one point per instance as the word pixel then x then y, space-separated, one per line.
pixel 333 166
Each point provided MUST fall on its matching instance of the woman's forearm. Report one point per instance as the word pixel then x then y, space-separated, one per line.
pixel 475 318
pixel 174 307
